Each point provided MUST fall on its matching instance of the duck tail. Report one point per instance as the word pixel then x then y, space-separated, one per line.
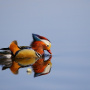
pixel 4 49
pixel 14 47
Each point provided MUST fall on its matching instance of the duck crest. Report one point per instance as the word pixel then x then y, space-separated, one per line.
pixel 37 37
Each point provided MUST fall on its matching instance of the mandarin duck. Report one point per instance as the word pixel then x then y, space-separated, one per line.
pixel 36 49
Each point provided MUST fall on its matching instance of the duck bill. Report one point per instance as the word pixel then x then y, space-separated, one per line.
pixel 49 51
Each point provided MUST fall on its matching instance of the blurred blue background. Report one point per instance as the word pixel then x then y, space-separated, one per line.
pixel 66 23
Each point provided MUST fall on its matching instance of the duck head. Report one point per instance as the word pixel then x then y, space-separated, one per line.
pixel 40 44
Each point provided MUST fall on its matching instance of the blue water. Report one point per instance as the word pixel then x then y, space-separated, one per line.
pixel 69 71
pixel 66 23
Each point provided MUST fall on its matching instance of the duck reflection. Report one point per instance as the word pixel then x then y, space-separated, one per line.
pixel 40 66
pixel 15 67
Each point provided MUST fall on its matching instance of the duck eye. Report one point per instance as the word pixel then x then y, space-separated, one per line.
pixel 47 45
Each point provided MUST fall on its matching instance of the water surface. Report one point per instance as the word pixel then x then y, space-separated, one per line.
pixel 67 72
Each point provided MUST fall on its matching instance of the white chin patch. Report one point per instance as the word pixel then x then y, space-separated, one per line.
pixel 45 41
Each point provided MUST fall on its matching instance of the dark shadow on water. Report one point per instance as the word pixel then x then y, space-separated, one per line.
pixel 40 66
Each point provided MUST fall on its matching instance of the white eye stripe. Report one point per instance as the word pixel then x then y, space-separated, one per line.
pixel 46 42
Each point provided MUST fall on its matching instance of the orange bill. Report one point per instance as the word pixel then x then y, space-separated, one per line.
pixel 49 51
